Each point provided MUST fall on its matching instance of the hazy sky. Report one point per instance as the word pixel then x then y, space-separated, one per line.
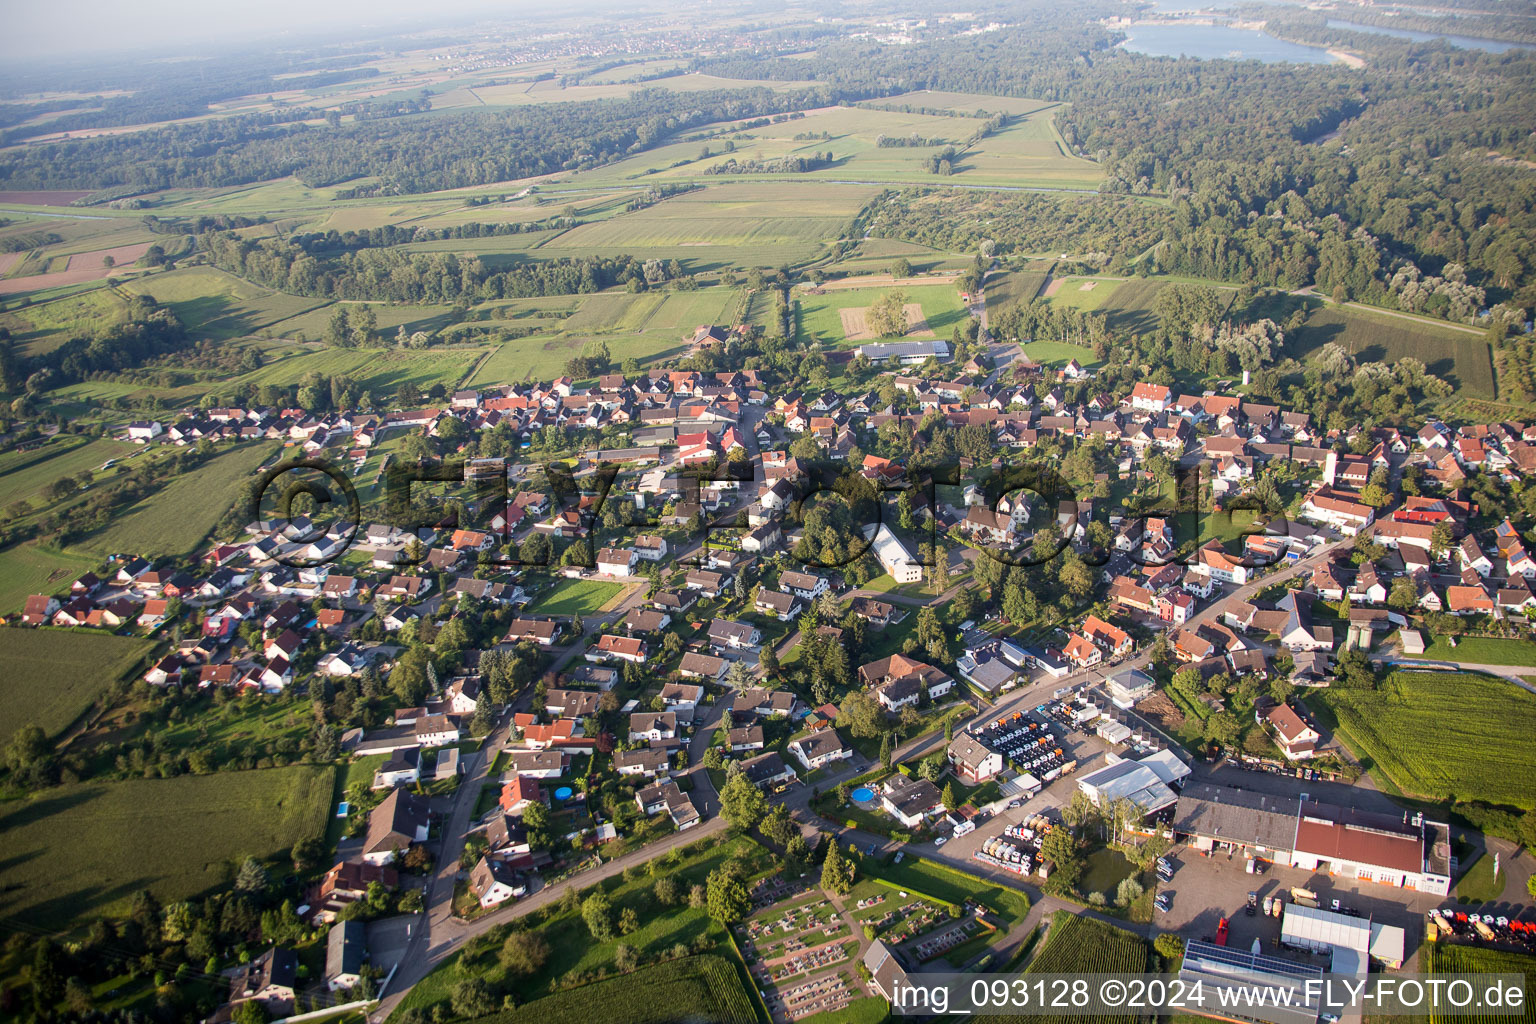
pixel 39 28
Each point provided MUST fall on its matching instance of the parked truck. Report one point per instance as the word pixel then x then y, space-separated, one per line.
pixel 1306 897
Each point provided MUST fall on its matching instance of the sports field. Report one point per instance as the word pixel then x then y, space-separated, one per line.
pixel 49 677
pixel 83 850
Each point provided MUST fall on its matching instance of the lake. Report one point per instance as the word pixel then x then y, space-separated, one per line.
pixel 1465 42
pixel 1219 42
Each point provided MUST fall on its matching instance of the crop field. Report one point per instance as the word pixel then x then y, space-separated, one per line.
pixel 381 370
pixel 42 327
pixel 652 311
pixel 821 316
pixel 1028 152
pixel 176 519
pixel 856 323
pixel 1016 286
pixel 1134 309
pixel 1087 293
pixel 84 850
pixel 1481 650
pixel 1385 728
pixel 533 358
pixel 577 597
pixel 24 475
pixel 50 677
pixel 1462 359
pixel 27 569
pixel 220 305
pixel 772 217
pixel 961 102
pixel 1442 959
pixel 709 986
pixel 310 325
pixel 1075 945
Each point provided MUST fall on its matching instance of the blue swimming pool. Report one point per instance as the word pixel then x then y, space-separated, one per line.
pixel 563 793
pixel 863 794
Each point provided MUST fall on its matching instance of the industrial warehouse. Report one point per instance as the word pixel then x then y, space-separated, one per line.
pixel 1406 851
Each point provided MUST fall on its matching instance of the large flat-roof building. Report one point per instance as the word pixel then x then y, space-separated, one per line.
pixel 1353 941
pixel 1403 850
pixel 893 555
pixel 1143 783
pixel 1221 973
pixel 908 353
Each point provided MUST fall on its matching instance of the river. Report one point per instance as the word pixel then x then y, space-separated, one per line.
pixel 1216 42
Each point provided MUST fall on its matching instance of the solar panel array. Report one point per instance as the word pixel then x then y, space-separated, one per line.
pixel 1249 961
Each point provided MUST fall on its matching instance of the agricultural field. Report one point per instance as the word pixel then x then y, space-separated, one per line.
pixel 822 316
pixel 1086 293
pixel 1134 309
pixel 577 597
pixel 729 224
pixel 219 305
pixel 377 370
pixel 41 327
pixel 709 986
pixel 1385 728
pixel 25 475
pixel 85 849
pixel 1442 959
pixel 50 677
pixel 27 569
pixel 1461 358
pixel 959 102
pixel 1480 650
pixel 1028 153
pixel 176 519
pixel 1074 945
pixel 310 325
pixel 1012 287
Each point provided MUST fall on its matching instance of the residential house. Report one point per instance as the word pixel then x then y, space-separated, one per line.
pixel 495 881
pixel 623 648
pixel 346 950
pixel 820 748
pixel 1296 738
pixel 973 760
pixel 725 634
pixel 400 820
